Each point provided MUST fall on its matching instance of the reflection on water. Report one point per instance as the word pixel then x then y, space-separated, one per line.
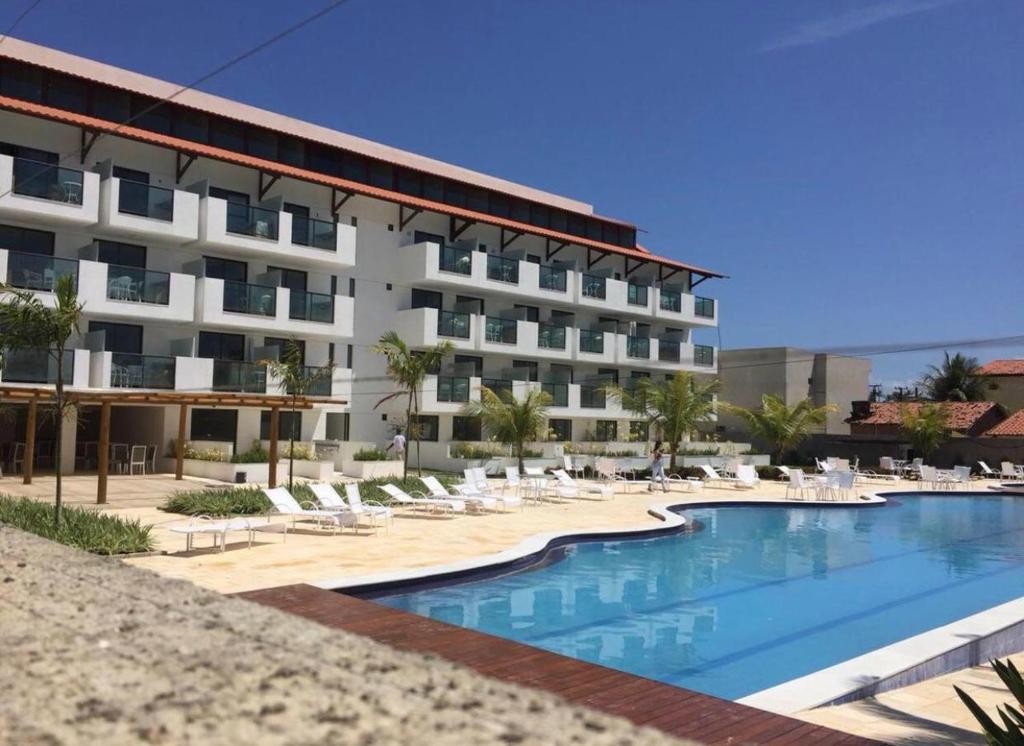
pixel 760 596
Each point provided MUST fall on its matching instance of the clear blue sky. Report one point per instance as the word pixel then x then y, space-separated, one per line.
pixel 855 166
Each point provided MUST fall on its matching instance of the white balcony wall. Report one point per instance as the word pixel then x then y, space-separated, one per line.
pixel 193 374
pixel 605 357
pixel 685 314
pixel 182 228
pixel 418 327
pixel 93 284
pixel 209 300
pixel 23 207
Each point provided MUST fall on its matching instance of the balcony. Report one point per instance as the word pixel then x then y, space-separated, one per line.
pixel 38 367
pixel 47 192
pixel 444 394
pixel 265 233
pixel 500 387
pixel 257 300
pixel 136 293
pixel 637 295
pixel 306 306
pixel 703 308
pixel 453 389
pixel 148 211
pixel 554 279
pixel 704 356
pixel 238 376
pixel 455 324
pixel 132 371
pixel 37 271
pixel 425 327
pixel 559 393
pixel 638 348
pixel 501 269
pixel 500 331
pixel 668 351
pixel 593 397
pixel 551 337
pixel 277 310
pixel 673 305
pixel 593 286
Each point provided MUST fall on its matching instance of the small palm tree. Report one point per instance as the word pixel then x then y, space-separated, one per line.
pixel 674 407
pixel 958 379
pixel 926 427
pixel 26 322
pixel 408 368
pixel 296 379
pixel 515 422
pixel 782 426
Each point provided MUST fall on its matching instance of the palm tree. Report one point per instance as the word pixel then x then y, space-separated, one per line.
pixel 408 368
pixel 781 426
pixel 957 379
pixel 26 322
pixel 674 407
pixel 296 379
pixel 926 427
pixel 515 422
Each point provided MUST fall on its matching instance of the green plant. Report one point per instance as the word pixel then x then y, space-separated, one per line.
pixel 958 379
pixel 299 452
pixel 296 379
pixel 674 407
pixel 86 529
pixel 782 426
pixel 205 454
pixel 408 369
pixel 925 427
pixel 370 454
pixel 1012 734
pixel 27 322
pixel 514 422
pixel 471 451
pixel 255 455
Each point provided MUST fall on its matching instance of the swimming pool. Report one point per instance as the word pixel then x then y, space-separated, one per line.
pixel 760 596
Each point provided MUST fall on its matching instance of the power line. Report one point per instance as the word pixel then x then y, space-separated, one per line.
pixel 18 20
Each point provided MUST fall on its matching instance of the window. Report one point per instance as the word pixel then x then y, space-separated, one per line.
pixel 289 425
pixel 262 143
pixel 527 367
pixel 22 81
pixel 111 104
pixel 227 134
pixel 428 427
pixel 638 430
pixel 476 303
pixel 354 167
pixel 337 426
pixel 426 299
pixel 323 159
pixel 470 365
pixel 214 424
pixel 293 279
pixel 532 312
pixel 221 346
pixel 189 124
pixel 26 240
pixel 476 200
pixel 561 430
pixel 119 337
pixel 454 194
pixel 65 92
pixel 466 428
pixel 433 188
pixel 606 430
pixel 122 254
pixel 229 195
pixel 560 372
pixel 225 269
pixel 409 182
pixel 381 174
pixel 280 343
pixel 150 114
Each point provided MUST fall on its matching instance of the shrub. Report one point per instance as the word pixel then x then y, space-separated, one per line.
pixel 768 472
pixel 255 455
pixel 301 452
pixel 471 450
pixel 84 529
pixel 370 454
pixel 207 454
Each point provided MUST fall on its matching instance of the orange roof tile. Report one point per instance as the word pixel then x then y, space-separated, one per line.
pixel 962 415
pixel 1003 368
pixel 274 167
pixel 1012 426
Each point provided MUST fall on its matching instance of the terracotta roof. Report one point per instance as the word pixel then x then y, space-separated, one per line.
pixel 1003 368
pixel 274 167
pixel 962 415
pixel 1012 426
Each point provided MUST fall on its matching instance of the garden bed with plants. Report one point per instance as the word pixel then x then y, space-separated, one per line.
pixel 371 463
pixel 84 529
pixel 254 464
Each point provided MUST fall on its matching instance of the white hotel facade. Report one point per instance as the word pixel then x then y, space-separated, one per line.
pixel 205 233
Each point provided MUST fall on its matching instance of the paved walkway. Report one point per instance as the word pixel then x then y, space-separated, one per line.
pixel 123 491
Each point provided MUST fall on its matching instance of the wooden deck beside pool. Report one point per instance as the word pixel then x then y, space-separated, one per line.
pixel 680 712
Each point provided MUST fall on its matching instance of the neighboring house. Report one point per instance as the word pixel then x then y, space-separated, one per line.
pixel 884 419
pixel 1011 427
pixel 794 375
pixel 1005 383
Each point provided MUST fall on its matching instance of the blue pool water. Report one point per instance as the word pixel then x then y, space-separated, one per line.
pixel 760 596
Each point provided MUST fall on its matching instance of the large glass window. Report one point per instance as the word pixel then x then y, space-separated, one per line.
pixel 466 428
pixel 289 424
pixel 190 124
pixel 427 425
pixel 262 143
pixel 22 81
pixel 150 114
pixel 66 92
pixel 26 240
pixel 121 254
pixel 606 430
pixel 111 104
pixel 227 134
pixel 220 425
pixel 337 426
pixel 119 337
pixel 560 430
pixel 221 346
pixel 225 269
pixel 426 298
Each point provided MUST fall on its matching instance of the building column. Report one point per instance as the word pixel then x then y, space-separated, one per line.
pixel 103 454
pixel 30 442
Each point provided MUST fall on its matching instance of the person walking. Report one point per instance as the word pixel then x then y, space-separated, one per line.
pixel 398 443
pixel 658 468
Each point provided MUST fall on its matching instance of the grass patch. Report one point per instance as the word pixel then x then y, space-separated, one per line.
pixel 84 529
pixel 249 501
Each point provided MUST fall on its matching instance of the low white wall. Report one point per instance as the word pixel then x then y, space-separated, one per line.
pixel 371 469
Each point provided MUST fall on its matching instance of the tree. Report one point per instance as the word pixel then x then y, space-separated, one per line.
pixel 515 422
pixel 674 407
pixel 781 426
pixel 957 379
pixel 296 379
pixel 925 426
pixel 27 322
pixel 408 368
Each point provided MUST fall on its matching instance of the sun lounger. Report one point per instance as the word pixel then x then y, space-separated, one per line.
pixel 987 471
pixel 285 504
pixel 569 487
pixel 400 496
pixel 329 499
pixel 473 497
pixel 608 471
pixel 219 529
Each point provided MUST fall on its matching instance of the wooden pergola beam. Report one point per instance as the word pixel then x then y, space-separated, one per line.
pixel 252 401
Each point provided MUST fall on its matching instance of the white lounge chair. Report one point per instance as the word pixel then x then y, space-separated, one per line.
pixel 402 497
pixel 512 479
pixel 711 475
pixel 689 484
pixel 471 495
pixel 987 471
pixel 746 476
pixel 573 467
pixel 569 487
pixel 219 529
pixel 477 478
pixel 285 504
pixel 608 470
pixel 329 499
pixel 1007 470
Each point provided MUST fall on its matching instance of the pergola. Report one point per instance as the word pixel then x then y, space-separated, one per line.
pixel 33 397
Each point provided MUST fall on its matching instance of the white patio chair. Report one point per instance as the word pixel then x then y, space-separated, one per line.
pixel 797 483
pixel 575 468
pixel 471 495
pixel 137 460
pixel 286 505
pixel 18 458
pixel 512 480
pixel 1007 470
pixel 569 487
pixel 151 458
pixel 476 480
pixel 402 497
pixel 746 476
pixel 962 476
pixel 329 499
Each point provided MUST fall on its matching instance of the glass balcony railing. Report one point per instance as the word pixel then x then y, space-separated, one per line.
pixel 38 272
pixel 453 324
pixel 591 341
pixel 258 300
pixel 550 337
pixel 636 295
pixel 502 387
pixel 131 371
pixel 306 306
pixel 138 285
pixel 668 351
pixel 145 200
pixel 593 286
pixel 638 347
pixel 704 307
pixel 671 300
pixel 502 269
pixel 48 181
pixel 321 387
pixel 316 234
pixel 459 261
pixel 235 375
pixel 452 389
pixel 559 393
pixel 247 220
pixel 703 355
pixel 552 278
pixel 592 397
pixel 32 365
pixel 501 330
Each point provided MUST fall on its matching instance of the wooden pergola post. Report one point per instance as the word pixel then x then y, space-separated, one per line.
pixel 275 415
pixel 30 442
pixel 103 454
pixel 179 445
